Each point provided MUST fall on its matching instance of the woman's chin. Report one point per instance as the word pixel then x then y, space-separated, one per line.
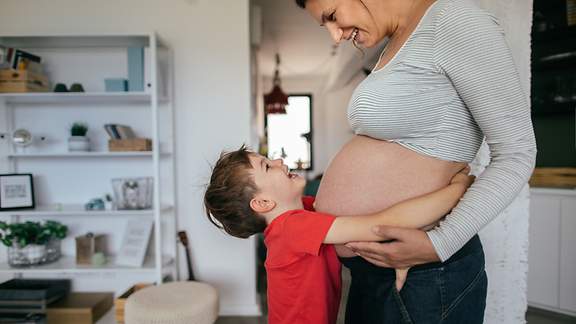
pixel 366 43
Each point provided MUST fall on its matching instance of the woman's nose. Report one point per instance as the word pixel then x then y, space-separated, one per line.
pixel 278 162
pixel 335 32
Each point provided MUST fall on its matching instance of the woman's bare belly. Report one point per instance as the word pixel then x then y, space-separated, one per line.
pixel 369 175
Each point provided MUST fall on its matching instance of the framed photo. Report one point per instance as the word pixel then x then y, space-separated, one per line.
pixel 16 191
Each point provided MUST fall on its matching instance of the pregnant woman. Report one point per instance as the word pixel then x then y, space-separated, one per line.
pixel 445 81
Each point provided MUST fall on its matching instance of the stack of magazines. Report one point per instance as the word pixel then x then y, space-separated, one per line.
pixel 26 300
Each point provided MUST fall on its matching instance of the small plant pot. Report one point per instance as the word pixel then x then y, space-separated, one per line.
pixel 31 254
pixel 78 144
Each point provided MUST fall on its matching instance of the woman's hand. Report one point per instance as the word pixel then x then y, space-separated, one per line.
pixel 408 247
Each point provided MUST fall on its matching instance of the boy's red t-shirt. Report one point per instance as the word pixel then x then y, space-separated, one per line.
pixel 303 274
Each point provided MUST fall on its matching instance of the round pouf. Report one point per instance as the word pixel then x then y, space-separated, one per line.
pixel 183 302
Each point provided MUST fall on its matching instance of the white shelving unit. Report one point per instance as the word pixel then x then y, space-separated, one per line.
pixel 64 180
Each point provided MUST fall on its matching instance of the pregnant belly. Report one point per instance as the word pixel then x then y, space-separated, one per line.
pixel 369 175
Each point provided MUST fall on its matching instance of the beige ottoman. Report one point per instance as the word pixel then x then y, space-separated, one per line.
pixel 183 302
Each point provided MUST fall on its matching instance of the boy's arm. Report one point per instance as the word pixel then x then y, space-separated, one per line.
pixel 412 213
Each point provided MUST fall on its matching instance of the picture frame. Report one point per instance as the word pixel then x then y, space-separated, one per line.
pixel 17 191
pixel 135 243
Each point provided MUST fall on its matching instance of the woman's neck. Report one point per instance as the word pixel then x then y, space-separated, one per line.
pixel 400 15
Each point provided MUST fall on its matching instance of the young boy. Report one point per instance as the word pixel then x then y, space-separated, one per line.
pixel 249 194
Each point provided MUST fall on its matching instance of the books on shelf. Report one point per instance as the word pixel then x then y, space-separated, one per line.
pixel 117 131
pixel 135 69
pixel 18 59
pixel 3 57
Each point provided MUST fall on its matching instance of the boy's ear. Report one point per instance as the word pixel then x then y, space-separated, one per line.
pixel 262 206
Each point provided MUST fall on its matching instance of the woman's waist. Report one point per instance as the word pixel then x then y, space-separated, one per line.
pixel 359 266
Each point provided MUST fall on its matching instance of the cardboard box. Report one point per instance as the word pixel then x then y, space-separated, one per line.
pixel 79 308
pixel 120 302
pixel 133 144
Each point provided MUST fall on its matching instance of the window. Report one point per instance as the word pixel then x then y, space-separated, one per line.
pixel 290 135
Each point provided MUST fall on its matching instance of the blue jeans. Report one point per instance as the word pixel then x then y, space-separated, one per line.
pixel 449 292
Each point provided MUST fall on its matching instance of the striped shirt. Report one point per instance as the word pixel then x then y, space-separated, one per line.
pixel 452 84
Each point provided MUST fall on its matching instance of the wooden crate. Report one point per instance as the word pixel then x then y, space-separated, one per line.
pixel 16 81
pixel 120 302
pixel 79 308
pixel 554 177
pixel 133 144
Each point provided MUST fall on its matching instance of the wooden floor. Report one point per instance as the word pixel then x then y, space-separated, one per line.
pixel 241 320
pixel 533 316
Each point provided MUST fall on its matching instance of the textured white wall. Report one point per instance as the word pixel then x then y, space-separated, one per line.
pixel 210 42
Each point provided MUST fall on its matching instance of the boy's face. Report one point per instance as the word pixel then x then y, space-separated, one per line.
pixel 275 182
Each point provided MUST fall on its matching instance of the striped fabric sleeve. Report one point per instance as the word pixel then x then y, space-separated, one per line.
pixel 471 50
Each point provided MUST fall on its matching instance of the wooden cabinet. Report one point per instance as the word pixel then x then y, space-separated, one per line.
pixel 552 258
pixel 568 255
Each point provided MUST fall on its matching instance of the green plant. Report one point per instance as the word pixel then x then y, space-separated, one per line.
pixel 79 129
pixel 23 234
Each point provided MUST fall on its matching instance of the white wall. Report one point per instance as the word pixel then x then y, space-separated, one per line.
pixel 210 40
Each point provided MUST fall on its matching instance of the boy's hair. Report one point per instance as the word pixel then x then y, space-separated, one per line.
pixel 301 3
pixel 227 198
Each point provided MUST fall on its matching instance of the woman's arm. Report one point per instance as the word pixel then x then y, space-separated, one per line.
pixel 412 213
pixel 471 50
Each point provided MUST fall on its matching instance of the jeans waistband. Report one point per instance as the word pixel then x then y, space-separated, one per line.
pixel 359 265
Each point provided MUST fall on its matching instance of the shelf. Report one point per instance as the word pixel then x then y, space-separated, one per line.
pixel 77 97
pixel 82 154
pixel 74 41
pixel 67 264
pixel 77 210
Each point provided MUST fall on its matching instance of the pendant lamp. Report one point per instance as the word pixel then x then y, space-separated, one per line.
pixel 276 100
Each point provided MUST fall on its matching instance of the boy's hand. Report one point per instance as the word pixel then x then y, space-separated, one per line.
pixel 463 178
pixel 401 275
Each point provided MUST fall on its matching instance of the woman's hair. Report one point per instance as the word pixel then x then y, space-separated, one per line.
pixel 302 4
pixel 228 195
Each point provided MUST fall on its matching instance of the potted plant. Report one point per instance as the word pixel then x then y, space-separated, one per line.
pixel 32 243
pixel 78 141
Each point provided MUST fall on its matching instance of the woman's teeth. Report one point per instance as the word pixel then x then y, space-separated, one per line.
pixel 354 34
